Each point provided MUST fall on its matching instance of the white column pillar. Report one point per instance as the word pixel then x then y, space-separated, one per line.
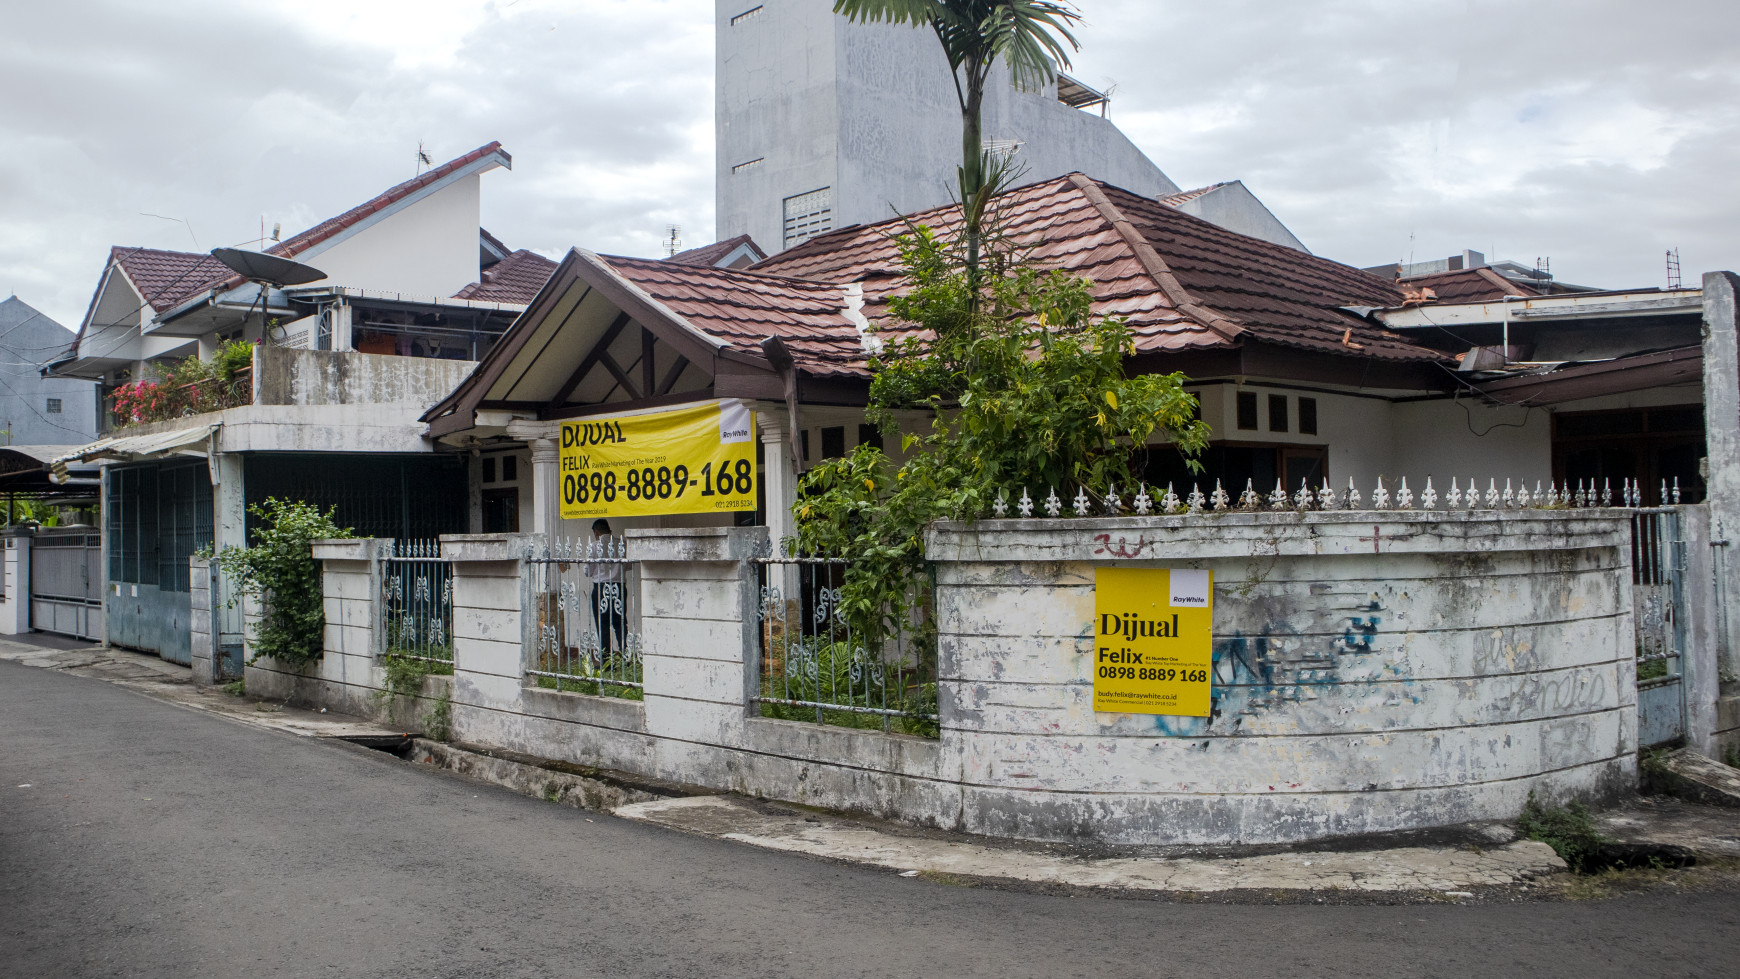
pixel 546 489
pixel 778 479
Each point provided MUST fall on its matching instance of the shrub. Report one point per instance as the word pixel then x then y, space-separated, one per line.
pixel 1569 830
pixel 279 569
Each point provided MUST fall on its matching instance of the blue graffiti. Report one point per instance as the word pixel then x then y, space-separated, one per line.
pixel 1279 666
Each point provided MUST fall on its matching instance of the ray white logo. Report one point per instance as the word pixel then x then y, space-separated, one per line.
pixel 734 423
pixel 1189 589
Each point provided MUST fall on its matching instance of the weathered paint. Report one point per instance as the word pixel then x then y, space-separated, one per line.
pixel 1373 672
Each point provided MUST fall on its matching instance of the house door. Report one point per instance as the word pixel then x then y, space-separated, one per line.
pixel 157 516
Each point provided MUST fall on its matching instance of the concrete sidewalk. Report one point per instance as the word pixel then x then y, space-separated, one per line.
pixel 1475 861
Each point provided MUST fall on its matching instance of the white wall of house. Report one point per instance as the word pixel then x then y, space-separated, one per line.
pixel 425 249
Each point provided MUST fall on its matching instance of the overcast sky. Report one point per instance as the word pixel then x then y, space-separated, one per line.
pixel 1596 132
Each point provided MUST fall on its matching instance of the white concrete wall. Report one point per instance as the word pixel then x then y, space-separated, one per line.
pixel 347 675
pixel 426 249
pixel 286 376
pixel 15 604
pixel 1374 671
pixel 869 110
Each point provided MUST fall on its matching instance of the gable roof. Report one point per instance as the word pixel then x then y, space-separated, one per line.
pixel 1181 282
pixel 332 227
pixel 165 278
pixel 718 251
pixel 515 279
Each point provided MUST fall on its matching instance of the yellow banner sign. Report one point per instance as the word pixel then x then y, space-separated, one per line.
pixel 699 459
pixel 1153 650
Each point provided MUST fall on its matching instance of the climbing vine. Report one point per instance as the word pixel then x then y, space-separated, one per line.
pixel 279 569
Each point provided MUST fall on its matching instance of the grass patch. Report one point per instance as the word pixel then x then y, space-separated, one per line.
pixel 590 687
pixel 1652 669
pixel 1569 830
pixel 898 724
pixel 237 689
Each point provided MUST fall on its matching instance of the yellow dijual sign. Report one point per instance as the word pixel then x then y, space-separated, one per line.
pixel 1153 651
pixel 699 459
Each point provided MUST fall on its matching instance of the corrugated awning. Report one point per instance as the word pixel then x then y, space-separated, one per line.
pixel 133 447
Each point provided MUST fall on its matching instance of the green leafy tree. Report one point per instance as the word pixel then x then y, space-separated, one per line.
pixel 1027 35
pixel 279 569
pixel 1025 388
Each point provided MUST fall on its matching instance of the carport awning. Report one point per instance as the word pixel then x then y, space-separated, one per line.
pixel 133 447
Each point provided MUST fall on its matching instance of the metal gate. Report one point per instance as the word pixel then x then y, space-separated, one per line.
pixel 1658 567
pixel 66 583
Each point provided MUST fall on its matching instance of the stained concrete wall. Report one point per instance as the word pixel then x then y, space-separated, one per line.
pixel 1374 671
pixel 289 376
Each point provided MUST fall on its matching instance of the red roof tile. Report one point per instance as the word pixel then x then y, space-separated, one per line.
pixel 1181 282
pixel 164 279
pixel 743 308
pixel 514 279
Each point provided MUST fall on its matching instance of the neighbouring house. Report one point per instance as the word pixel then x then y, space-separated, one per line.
pixel 308 392
pixel 822 123
pixel 38 410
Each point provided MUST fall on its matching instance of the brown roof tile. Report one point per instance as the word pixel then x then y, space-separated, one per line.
pixel 744 308
pixel 711 254
pixel 514 279
pixel 1181 282
pixel 164 279
pixel 1481 285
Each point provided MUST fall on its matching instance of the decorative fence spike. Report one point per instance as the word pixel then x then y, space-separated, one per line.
pixel 1143 502
pixel 1278 499
pixel 1195 500
pixel 1219 497
pixel 1429 498
pixel 1025 507
pixel 1353 497
pixel 1081 502
pixel 1249 500
pixel 1326 497
pixel 1000 506
pixel 1523 499
pixel 1492 494
pixel 1053 505
pixel 1302 499
pixel 1170 502
pixel 1473 497
pixel 1404 496
pixel 1606 492
pixel 1380 497
pixel 1114 505
pixel 1453 499
pixel 1676 491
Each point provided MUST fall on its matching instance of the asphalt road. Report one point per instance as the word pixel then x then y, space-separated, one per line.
pixel 155 841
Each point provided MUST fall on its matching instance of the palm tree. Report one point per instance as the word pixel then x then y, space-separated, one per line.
pixel 1029 35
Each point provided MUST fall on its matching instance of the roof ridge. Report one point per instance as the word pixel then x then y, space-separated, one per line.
pixel 1153 264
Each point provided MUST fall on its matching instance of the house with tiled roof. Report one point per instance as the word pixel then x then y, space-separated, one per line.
pixel 1298 378
pixel 403 294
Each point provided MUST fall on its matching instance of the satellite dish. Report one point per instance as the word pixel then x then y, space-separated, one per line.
pixel 270 269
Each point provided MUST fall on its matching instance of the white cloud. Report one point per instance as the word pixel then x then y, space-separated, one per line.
pixel 1597 132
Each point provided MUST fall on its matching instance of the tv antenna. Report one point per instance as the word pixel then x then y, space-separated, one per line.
pixel 673 243
pixel 423 159
pixel 1673 269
